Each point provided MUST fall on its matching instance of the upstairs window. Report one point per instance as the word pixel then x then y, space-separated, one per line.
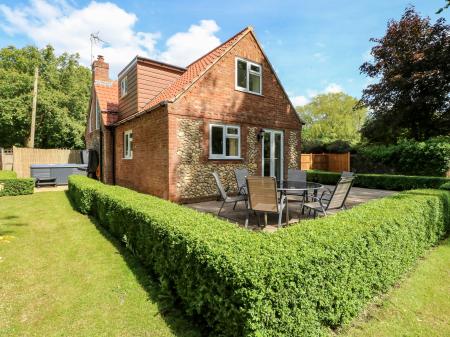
pixel 224 142
pixel 248 76
pixel 128 144
pixel 123 86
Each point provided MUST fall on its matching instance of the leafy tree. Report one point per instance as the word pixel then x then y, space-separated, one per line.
pixel 412 66
pixel 63 96
pixel 440 10
pixel 332 117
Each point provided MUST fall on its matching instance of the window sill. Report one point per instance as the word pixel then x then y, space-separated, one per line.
pixel 127 158
pixel 225 158
pixel 248 91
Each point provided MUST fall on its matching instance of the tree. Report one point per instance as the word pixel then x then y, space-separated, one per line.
pixel 412 66
pixel 440 10
pixel 62 101
pixel 332 117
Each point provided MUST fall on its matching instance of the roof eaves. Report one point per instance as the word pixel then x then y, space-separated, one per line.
pixel 278 79
pixel 194 80
pixel 142 112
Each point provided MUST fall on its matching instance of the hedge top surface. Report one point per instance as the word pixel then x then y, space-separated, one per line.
pixel 258 250
pixel 8 175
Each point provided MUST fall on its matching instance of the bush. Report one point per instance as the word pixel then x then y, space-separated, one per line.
pixel 10 187
pixel 8 175
pixel 338 146
pixel 445 186
pixel 431 157
pixel 380 181
pixel 296 282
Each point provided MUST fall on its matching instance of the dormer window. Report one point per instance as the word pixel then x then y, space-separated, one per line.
pixel 248 76
pixel 123 86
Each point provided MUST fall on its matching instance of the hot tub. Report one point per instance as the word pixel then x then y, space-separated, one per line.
pixel 60 172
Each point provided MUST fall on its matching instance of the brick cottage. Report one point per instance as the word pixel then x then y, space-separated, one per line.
pixel 162 129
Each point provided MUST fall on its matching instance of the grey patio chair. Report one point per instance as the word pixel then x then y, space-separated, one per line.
pixel 335 201
pixel 297 175
pixel 263 197
pixel 327 193
pixel 240 175
pixel 224 197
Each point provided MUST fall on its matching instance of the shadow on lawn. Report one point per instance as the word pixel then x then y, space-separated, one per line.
pixel 174 317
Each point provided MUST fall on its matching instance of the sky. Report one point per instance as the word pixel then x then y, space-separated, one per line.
pixel 315 46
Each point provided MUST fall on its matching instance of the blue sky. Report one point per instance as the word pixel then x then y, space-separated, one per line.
pixel 315 46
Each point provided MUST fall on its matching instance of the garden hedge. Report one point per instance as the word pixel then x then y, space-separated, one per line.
pixel 298 281
pixel 11 185
pixel 381 181
pixel 8 175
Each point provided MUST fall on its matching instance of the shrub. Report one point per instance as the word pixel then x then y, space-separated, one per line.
pixel 10 187
pixel 8 175
pixel 430 157
pixel 381 181
pixel 445 186
pixel 296 282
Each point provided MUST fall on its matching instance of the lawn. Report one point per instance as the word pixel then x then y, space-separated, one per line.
pixel 63 276
pixel 420 306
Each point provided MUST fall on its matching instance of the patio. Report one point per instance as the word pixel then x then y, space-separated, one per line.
pixel 357 196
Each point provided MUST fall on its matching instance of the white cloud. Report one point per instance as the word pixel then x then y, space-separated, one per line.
pixel 185 47
pixel 333 88
pixel 301 100
pixel 68 28
pixel 320 57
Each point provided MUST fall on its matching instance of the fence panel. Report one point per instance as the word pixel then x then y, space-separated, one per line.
pixel 24 157
pixel 338 162
pixel 6 159
pixel 335 162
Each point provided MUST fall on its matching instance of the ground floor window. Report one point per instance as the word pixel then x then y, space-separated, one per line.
pixel 224 141
pixel 128 144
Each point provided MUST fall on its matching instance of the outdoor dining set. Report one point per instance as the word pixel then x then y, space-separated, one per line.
pixel 269 195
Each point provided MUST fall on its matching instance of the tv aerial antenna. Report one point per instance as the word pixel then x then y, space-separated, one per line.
pixel 95 40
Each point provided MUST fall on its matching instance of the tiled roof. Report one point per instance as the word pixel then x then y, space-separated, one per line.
pixel 194 70
pixel 108 98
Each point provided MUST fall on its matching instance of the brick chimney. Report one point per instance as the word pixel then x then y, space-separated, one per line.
pixel 100 69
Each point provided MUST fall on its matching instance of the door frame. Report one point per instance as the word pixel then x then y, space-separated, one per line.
pixel 272 152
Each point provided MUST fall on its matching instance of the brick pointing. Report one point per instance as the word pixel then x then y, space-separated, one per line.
pixel 148 170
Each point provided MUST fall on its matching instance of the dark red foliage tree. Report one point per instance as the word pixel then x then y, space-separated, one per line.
pixel 411 65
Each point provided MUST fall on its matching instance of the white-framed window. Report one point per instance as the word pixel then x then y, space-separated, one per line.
pixel 128 144
pixel 224 141
pixel 123 86
pixel 248 76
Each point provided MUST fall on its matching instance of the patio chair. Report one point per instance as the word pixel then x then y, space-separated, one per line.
pixel 263 197
pixel 327 193
pixel 297 175
pixel 335 201
pixel 240 175
pixel 224 197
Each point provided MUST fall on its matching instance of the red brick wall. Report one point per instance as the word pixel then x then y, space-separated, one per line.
pixel 214 99
pixel 148 170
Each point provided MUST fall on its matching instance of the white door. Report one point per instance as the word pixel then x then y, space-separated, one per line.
pixel 272 154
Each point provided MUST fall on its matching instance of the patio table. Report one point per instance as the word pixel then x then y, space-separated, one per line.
pixel 285 186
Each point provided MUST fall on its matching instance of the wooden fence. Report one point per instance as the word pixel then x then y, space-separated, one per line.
pixel 6 159
pixel 24 157
pixel 335 162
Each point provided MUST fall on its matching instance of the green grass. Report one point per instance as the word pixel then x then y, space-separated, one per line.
pixel 420 306
pixel 61 275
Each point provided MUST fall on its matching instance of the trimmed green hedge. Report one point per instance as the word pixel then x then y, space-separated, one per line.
pixel 298 281
pixel 8 175
pixel 381 181
pixel 445 186
pixel 11 185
